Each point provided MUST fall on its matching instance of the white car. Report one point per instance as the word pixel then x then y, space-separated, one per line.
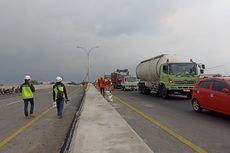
pixel 130 83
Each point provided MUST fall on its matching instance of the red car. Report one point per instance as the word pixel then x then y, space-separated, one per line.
pixel 212 94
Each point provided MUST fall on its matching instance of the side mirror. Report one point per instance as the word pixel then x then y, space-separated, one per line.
pixel 225 90
pixel 201 71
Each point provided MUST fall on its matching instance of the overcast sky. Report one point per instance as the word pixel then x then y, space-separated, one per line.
pixel 39 37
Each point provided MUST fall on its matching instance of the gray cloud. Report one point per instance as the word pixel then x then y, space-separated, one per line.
pixel 40 37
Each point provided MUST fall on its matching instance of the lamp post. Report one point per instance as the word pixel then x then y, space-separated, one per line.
pixel 88 56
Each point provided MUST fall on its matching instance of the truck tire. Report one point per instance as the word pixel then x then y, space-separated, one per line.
pixel 141 88
pixel 146 91
pixel 164 92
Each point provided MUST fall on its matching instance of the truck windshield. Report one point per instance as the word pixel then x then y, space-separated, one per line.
pixel 132 79
pixel 183 69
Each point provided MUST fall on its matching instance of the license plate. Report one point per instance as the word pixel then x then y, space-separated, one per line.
pixel 186 90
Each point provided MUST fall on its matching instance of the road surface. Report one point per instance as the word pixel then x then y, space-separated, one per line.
pixel 170 125
pixel 43 134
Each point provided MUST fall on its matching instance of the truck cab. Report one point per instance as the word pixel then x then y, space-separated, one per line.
pixel 178 78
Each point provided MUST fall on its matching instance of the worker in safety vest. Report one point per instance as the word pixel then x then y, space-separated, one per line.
pixel 101 85
pixel 27 89
pixel 59 91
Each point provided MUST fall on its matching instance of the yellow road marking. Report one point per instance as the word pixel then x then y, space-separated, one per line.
pixel 163 127
pixel 27 125
pixel 23 128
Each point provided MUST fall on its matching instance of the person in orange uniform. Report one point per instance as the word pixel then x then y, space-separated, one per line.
pixel 101 85
pixel 109 85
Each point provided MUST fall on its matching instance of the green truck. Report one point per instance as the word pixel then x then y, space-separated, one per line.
pixel 166 74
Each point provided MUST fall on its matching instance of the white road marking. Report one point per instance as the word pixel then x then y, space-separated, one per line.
pixel 6 99
pixel 14 102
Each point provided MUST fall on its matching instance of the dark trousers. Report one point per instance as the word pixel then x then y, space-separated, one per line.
pixel 102 90
pixel 60 106
pixel 26 103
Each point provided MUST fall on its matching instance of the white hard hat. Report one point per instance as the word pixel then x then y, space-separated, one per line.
pixel 27 77
pixel 58 79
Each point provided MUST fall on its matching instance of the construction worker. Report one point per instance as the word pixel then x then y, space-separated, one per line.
pixel 27 89
pixel 101 85
pixel 109 85
pixel 59 91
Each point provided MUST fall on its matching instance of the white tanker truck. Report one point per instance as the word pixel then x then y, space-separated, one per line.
pixel 166 74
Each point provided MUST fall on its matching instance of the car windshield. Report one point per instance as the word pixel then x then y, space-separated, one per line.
pixel 183 69
pixel 132 79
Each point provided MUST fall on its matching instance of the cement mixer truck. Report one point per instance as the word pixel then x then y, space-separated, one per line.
pixel 166 74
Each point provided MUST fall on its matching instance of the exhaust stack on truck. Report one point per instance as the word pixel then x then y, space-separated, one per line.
pixel 166 74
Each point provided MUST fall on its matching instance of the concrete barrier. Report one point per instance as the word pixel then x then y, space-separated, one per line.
pixel 101 129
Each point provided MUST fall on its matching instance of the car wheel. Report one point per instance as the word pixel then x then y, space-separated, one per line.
pixel 196 106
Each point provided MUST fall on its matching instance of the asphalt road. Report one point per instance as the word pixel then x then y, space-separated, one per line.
pixel 171 126
pixel 43 134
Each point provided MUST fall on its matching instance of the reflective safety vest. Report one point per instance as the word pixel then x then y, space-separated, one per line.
pixel 61 89
pixel 26 92
pixel 101 83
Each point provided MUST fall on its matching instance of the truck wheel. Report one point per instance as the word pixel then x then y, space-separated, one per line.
pixel 141 88
pixel 140 91
pixel 164 93
pixel 146 91
pixel 196 105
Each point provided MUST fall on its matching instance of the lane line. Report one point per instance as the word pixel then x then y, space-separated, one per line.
pixel 18 101
pixel 15 102
pixel 6 99
pixel 163 127
pixel 27 125
pixel 23 128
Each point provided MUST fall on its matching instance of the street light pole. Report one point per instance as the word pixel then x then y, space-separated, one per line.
pixel 88 56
